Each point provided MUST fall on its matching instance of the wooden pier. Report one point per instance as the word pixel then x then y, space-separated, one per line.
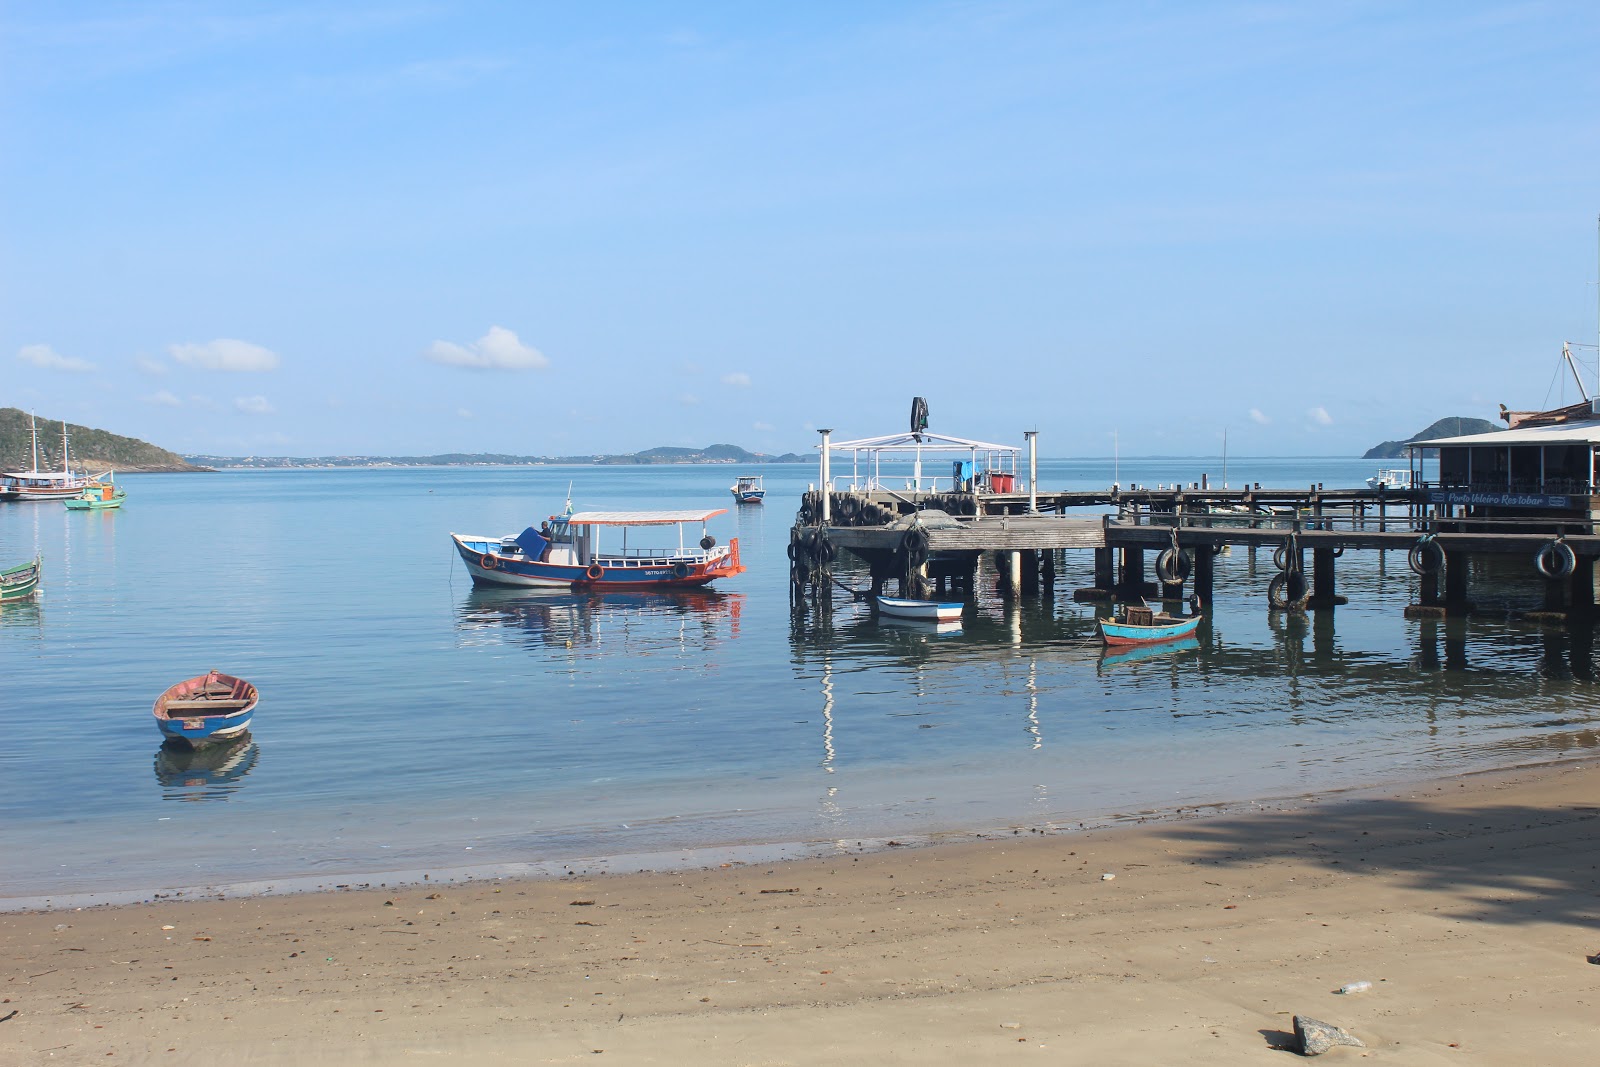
pixel 928 543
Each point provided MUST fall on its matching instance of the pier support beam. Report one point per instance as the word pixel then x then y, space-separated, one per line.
pixel 1205 569
pixel 1131 583
pixel 1028 562
pixel 1105 579
pixel 1323 594
pixel 1455 584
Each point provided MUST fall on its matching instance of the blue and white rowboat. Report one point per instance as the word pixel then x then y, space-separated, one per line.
pixel 1160 628
pixel 928 610
pixel 207 709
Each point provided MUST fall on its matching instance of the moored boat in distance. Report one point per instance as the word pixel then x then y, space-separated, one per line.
pixel 927 610
pixel 20 582
pixel 747 489
pixel 100 496
pixel 206 709
pixel 565 552
pixel 1140 625
pixel 36 484
pixel 1395 478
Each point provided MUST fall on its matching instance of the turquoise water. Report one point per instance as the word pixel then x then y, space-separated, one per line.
pixel 409 722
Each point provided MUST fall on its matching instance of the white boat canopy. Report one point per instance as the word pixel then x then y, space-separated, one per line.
pixel 914 446
pixel 640 518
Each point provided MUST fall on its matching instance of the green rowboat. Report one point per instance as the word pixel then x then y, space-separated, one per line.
pixel 19 583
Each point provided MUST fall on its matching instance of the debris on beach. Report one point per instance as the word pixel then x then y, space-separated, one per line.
pixel 1317 1037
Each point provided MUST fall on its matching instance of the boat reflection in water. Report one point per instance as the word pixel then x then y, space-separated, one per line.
pixel 1146 652
pixel 562 619
pixel 926 627
pixel 213 772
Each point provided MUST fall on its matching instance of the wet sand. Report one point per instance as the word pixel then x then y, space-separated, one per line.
pixel 1470 904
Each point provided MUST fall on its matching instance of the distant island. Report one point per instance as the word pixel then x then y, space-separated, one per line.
pixel 1455 426
pixel 90 448
pixel 652 456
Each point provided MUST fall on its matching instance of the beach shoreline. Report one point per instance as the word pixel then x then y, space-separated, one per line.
pixel 1470 903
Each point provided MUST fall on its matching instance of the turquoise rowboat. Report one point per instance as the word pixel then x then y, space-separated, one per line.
pixel 1144 627
pixel 19 582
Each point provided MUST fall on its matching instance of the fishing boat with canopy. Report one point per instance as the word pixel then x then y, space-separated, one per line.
pixel 566 551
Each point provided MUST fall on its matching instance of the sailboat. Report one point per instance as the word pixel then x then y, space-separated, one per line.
pixel 36 484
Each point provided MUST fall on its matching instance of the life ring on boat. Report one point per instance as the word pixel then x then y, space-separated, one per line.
pixel 1426 556
pixel 1555 559
pixel 680 570
pixel 708 542
pixel 594 572
pixel 488 562
pixel 1172 566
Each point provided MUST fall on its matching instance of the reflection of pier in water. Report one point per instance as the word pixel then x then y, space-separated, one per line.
pixel 566 620
pixel 212 772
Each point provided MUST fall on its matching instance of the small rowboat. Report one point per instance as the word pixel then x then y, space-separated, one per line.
pixel 1141 626
pixel 927 610
pixel 205 710
pixel 19 582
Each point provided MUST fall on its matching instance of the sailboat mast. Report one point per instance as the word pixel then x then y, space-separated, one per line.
pixel 1224 457
pixel 66 466
pixel 33 427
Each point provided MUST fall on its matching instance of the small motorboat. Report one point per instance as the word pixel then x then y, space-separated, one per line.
pixel 926 610
pixel 747 490
pixel 1140 625
pixel 206 709
pixel 1388 478
pixel 19 582
pixel 98 497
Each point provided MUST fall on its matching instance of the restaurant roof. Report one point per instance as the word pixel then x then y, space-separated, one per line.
pixel 640 518
pixel 1567 433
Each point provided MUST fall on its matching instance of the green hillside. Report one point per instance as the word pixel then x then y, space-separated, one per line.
pixel 1454 426
pixel 95 449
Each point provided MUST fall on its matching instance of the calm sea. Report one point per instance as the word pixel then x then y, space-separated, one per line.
pixel 410 723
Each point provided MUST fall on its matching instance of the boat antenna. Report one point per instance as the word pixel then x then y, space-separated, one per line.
pixel 1224 457
pixel 569 499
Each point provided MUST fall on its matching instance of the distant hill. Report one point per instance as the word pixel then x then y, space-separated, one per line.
pixel 95 449
pixel 662 455
pixel 1455 426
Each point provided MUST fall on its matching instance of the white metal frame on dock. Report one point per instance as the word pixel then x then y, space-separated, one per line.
pixel 997 458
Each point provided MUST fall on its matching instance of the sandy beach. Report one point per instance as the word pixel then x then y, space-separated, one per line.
pixel 1470 904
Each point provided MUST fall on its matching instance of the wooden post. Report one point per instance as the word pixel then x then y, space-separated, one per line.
pixel 1323 594
pixel 1104 572
pixel 1132 583
pixel 1014 572
pixel 1205 568
pixel 1028 566
pixel 1455 583
pixel 1580 588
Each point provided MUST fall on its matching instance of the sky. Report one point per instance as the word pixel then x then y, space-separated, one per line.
pixel 406 228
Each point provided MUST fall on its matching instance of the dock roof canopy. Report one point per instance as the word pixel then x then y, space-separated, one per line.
pixel 923 442
pixel 640 518
pixel 1567 433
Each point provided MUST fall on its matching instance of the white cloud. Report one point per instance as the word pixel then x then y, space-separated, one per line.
pixel 689 400
pixel 254 405
pixel 499 349
pixel 465 413
pixel 225 354
pixel 738 378
pixel 204 402
pixel 764 427
pixel 1258 417
pixel 153 367
pixel 48 358
pixel 1320 416
pixel 164 399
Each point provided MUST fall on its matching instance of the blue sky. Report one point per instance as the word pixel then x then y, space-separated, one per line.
pixel 553 228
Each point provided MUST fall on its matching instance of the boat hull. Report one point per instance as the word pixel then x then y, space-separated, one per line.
pixel 490 568
pixel 926 610
pixel 79 503
pixel 19 583
pixel 183 716
pixel 1122 634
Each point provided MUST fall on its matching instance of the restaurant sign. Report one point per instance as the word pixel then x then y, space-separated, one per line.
pixel 1498 500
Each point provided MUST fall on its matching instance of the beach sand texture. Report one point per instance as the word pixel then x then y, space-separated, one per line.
pixel 1470 904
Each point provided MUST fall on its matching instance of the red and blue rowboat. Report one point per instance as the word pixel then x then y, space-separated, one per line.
pixel 207 709
pixel 1138 631
pixel 565 552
